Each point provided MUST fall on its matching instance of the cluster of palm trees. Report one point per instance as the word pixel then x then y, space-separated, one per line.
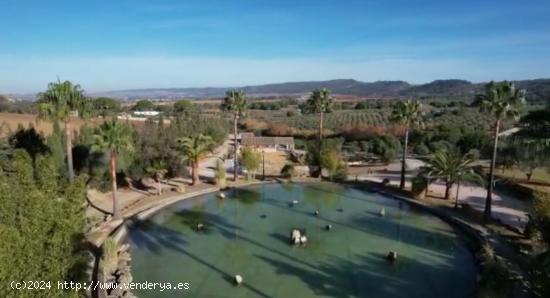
pixel 501 101
pixel 62 100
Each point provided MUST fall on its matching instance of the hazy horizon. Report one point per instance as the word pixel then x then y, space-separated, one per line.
pixel 106 45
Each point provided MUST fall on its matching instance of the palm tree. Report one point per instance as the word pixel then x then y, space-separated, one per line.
pixel 319 102
pixel 503 101
pixel 406 113
pixel 451 167
pixel 157 170
pixel 235 103
pixel 114 137
pixel 194 148
pixel 58 103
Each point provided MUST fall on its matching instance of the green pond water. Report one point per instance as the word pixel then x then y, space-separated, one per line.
pixel 247 234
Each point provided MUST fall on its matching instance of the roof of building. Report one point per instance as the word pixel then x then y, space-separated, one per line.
pixel 267 141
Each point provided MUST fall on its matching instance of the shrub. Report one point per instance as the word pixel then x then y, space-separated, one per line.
pixel 220 174
pixel 331 160
pixel 250 160
pixel 421 149
pixel 288 171
pixel 109 255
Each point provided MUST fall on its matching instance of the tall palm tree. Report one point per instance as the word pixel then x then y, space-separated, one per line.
pixel 114 137
pixel 235 103
pixel 194 148
pixel 406 113
pixel 451 167
pixel 502 101
pixel 58 103
pixel 319 102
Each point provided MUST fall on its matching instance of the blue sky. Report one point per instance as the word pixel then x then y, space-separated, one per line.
pixel 107 45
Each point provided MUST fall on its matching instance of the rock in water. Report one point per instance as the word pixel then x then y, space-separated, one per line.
pixel 392 256
pixel 238 279
pixel 383 212
pixel 295 236
pixel 200 227
pixel 316 212
pixel 221 195
pixel 303 240
pixel 328 227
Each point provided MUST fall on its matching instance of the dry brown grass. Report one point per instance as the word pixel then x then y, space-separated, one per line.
pixel 11 121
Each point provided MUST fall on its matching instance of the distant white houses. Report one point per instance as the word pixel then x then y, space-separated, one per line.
pixel 146 113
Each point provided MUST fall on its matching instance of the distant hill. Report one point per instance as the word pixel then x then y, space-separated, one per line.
pixel 344 87
pixel 443 88
pixel 537 90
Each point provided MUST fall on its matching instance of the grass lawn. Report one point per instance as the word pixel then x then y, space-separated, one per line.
pixel 539 174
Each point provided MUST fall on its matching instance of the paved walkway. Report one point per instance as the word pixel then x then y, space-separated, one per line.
pixel 511 211
pixel 133 202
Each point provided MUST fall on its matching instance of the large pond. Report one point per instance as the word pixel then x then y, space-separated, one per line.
pixel 247 234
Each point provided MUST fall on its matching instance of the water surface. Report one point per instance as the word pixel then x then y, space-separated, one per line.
pixel 247 234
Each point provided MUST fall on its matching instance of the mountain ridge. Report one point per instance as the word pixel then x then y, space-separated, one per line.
pixel 538 90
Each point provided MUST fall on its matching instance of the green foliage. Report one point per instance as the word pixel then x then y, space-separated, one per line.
pixel 113 135
pixel 268 105
pixel 288 171
pixel 41 225
pixel 60 100
pixel 407 113
pixel 56 143
pixel 331 160
pixel 183 106
pixel 540 217
pixel 538 228
pixel 421 149
pixel 320 101
pixel 220 173
pixel 451 167
pixel 313 157
pixel 105 106
pixel 193 149
pixel 250 160
pixel 109 255
pixel 386 147
pixel 502 100
pixel 144 105
pixel 235 102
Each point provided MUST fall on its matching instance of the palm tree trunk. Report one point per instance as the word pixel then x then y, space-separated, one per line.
pixel 404 157
pixel 236 147
pixel 490 186
pixel 69 150
pixel 195 172
pixel 320 132
pixel 159 187
pixel 457 193
pixel 116 206
pixel 426 191
pixel 447 190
